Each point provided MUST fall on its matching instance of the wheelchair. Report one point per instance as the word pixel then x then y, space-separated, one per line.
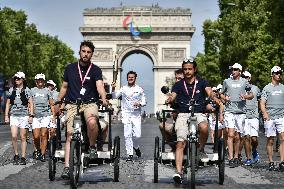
pixel 191 155
pixel 79 155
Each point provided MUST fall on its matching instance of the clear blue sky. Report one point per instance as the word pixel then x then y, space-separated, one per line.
pixel 64 17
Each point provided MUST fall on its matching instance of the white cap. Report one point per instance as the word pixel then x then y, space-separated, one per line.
pixel 40 76
pixel 51 82
pixel 247 74
pixel 219 86
pixel 214 89
pixel 20 75
pixel 237 66
pixel 276 69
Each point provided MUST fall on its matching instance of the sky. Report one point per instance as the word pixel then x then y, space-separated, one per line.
pixel 63 18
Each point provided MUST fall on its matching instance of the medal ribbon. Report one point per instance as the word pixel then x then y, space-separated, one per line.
pixel 83 79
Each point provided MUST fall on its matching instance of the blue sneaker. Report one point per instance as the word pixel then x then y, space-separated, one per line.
pixel 248 162
pixel 255 157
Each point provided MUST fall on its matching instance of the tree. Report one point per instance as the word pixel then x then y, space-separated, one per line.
pixel 24 48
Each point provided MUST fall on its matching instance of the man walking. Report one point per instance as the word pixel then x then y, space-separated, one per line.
pixel 235 92
pixel 251 127
pixel 272 108
pixel 133 98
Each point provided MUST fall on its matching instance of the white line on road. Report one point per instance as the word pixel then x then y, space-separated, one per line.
pixel 10 169
pixel 243 176
pixel 5 147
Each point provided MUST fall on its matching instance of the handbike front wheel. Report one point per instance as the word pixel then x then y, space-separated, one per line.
pixel 156 159
pixel 75 163
pixel 51 159
pixel 221 160
pixel 191 174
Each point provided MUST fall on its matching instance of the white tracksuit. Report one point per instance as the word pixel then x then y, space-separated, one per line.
pixel 131 116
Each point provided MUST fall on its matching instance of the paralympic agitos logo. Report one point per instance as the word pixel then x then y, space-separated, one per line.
pixel 135 30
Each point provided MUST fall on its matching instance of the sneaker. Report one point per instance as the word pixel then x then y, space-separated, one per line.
pixel 137 152
pixel 203 156
pixel 271 166
pixel 231 163
pixel 177 178
pixel 130 158
pixel 22 161
pixel 37 155
pixel 93 152
pixel 237 162
pixel 42 158
pixel 66 173
pixel 248 162
pixel 16 159
pixel 281 166
pixel 255 157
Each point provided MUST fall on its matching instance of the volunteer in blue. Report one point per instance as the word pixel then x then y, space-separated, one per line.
pixel 183 91
pixel 83 80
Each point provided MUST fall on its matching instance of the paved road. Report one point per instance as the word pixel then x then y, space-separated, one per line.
pixel 137 174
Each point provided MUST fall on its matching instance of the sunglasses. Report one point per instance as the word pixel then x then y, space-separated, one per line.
pixel 17 78
pixel 245 77
pixel 276 73
pixel 186 60
pixel 235 69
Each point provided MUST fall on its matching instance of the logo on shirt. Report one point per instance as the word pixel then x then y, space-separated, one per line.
pixel 236 85
pixel 38 94
pixel 276 93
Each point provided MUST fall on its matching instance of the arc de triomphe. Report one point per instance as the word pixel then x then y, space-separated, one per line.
pixel 163 35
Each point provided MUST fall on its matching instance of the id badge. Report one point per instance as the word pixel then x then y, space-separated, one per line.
pixel 82 91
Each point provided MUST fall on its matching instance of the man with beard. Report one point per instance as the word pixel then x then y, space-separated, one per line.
pixel 83 80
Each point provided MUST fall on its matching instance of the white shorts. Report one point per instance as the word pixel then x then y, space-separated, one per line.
pixel 42 122
pixel 271 126
pixel 235 121
pixel 20 121
pixel 251 127
pixel 212 123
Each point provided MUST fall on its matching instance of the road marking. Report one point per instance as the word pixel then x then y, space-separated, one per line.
pixel 10 169
pixel 5 147
pixel 243 176
pixel 165 172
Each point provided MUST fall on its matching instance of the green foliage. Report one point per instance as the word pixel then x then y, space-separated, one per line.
pixel 24 48
pixel 250 32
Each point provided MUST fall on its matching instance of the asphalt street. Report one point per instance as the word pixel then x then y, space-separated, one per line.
pixel 133 175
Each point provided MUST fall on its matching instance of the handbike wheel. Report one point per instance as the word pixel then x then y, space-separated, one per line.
pixel 116 154
pixel 192 164
pixel 156 159
pixel 75 163
pixel 221 160
pixel 51 159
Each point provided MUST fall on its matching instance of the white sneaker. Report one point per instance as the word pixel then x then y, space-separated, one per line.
pixel 177 178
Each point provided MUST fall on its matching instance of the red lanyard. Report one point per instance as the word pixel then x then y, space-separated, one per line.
pixel 193 91
pixel 83 79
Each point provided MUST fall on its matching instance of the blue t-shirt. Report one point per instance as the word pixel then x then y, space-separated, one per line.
pixel 183 98
pixel 72 76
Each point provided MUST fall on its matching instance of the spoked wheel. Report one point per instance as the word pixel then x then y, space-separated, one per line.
pixel 221 160
pixel 156 159
pixel 116 153
pixel 193 164
pixel 52 159
pixel 75 163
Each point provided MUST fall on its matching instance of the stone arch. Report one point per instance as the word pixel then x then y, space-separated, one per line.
pixel 167 43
